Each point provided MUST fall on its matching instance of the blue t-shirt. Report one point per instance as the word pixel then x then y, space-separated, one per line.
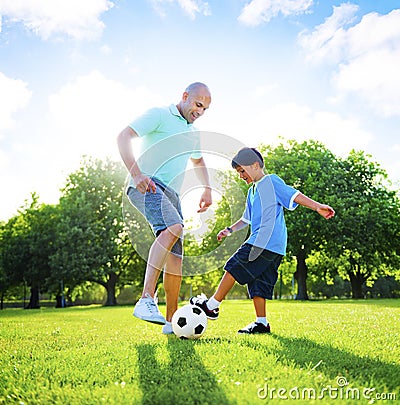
pixel 167 141
pixel 264 213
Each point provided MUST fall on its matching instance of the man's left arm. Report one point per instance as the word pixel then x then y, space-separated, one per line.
pixel 202 174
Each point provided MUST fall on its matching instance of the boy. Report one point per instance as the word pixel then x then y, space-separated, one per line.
pixel 256 262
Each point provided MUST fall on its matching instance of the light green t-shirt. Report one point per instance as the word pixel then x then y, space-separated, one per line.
pixel 167 141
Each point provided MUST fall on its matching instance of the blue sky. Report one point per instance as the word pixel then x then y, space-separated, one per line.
pixel 74 73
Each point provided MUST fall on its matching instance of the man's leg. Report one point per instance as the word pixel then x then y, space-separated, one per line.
pixel 146 308
pixel 159 251
pixel 172 284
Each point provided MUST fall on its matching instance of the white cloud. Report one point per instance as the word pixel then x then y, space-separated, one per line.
pixel 14 95
pixel 75 18
pixel 367 56
pixel 293 121
pixel 259 11
pixel 89 112
pixel 329 39
pixel 375 78
pixel 190 7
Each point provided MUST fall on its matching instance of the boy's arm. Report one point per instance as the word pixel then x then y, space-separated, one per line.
pixel 324 210
pixel 237 226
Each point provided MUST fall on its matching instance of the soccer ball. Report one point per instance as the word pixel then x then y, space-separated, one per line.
pixel 189 322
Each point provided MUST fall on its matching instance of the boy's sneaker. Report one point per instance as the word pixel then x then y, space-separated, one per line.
pixel 255 327
pixel 201 302
pixel 147 310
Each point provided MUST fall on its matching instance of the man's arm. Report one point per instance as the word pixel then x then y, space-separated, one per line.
pixel 141 181
pixel 202 174
pixel 324 210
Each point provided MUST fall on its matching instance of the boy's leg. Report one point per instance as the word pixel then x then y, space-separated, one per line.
pixel 211 306
pixel 260 307
pixel 225 285
pixel 261 324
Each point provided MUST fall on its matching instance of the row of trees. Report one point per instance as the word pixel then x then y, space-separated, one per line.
pixel 84 238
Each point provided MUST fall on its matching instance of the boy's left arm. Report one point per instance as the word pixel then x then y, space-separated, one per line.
pixel 324 210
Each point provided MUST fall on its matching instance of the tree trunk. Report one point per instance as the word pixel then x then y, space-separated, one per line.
pixel 301 277
pixel 34 299
pixel 60 301
pixel 357 281
pixel 110 287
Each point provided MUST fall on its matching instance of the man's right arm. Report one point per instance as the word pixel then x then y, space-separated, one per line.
pixel 142 182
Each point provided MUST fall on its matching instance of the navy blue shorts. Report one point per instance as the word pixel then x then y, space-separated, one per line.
pixel 161 209
pixel 260 274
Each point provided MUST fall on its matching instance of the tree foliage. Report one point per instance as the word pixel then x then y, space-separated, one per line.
pixel 92 243
pixel 368 231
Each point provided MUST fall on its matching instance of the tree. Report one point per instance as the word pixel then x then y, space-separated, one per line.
pixel 311 168
pixel 369 228
pixel 26 244
pixel 92 243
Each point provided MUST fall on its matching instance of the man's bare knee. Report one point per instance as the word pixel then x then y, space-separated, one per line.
pixel 176 230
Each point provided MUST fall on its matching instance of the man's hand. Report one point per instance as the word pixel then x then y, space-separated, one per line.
pixel 144 184
pixel 205 200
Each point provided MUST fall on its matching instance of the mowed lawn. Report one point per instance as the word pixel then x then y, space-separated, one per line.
pixel 336 352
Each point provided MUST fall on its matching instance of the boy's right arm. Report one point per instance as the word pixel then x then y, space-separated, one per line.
pixel 237 226
pixel 324 210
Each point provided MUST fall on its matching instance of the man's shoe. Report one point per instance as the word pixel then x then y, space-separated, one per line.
pixel 147 310
pixel 201 302
pixel 255 327
pixel 167 329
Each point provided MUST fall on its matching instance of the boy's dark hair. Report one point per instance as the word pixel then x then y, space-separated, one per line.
pixel 246 157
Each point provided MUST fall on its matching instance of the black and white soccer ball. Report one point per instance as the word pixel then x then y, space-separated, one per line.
pixel 189 322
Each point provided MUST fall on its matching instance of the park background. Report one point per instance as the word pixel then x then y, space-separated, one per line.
pixel 315 85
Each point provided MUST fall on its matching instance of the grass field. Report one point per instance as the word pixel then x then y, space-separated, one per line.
pixel 336 352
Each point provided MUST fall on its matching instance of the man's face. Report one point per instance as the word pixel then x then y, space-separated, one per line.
pixel 194 105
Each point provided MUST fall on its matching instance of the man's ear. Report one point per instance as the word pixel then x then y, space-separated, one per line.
pixel 185 95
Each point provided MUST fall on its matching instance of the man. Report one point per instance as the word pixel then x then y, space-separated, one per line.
pixel 168 141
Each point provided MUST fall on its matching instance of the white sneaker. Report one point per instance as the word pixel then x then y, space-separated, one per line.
pixel 147 310
pixel 167 329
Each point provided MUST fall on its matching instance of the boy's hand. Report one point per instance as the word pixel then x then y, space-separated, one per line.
pixel 223 234
pixel 326 211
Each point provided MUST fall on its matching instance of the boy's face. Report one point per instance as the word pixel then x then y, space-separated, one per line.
pixel 249 173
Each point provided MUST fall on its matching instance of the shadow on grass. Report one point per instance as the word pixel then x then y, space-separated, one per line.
pixel 333 362
pixel 180 379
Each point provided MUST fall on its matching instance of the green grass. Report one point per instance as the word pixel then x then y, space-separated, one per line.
pixel 96 355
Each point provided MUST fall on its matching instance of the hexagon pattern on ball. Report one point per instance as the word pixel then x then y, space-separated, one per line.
pixel 189 322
